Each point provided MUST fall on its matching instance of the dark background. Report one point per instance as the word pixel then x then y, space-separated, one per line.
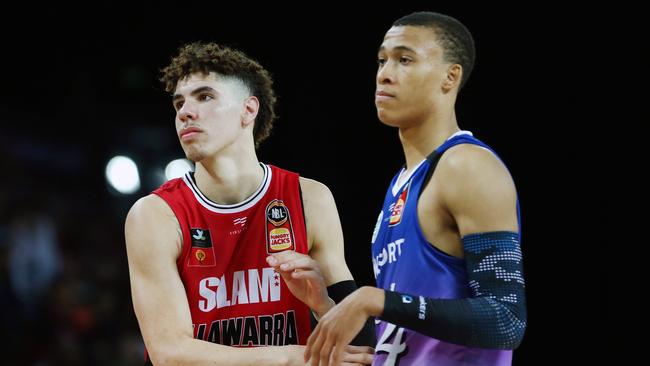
pixel 80 85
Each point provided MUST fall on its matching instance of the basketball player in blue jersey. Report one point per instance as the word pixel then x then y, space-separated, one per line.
pixel 446 253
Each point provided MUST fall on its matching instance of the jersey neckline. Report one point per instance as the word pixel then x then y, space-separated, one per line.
pixel 400 182
pixel 234 208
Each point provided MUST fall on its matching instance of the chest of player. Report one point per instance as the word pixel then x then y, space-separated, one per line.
pixel 218 242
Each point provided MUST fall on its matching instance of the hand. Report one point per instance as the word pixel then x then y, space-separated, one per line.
pixel 353 356
pixel 340 325
pixel 303 278
pixel 357 355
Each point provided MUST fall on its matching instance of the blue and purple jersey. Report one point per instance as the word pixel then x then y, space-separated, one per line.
pixel 404 261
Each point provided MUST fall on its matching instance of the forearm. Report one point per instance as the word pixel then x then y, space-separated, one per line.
pixel 476 322
pixel 479 322
pixel 189 351
pixel 495 314
pixel 373 302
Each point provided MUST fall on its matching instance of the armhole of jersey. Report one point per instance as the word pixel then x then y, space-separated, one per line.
pixel 304 218
pixel 181 255
pixel 433 158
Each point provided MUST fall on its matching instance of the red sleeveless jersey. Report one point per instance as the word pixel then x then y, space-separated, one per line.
pixel 235 297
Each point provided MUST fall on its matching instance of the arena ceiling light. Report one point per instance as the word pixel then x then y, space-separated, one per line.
pixel 177 168
pixel 122 174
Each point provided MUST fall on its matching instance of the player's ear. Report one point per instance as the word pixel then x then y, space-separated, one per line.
pixel 249 112
pixel 452 78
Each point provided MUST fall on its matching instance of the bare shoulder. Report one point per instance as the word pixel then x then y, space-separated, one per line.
pixel 317 199
pixel 321 215
pixel 149 209
pixel 316 196
pixel 471 164
pixel 314 190
pixel 477 189
pixel 471 159
pixel 150 204
pixel 149 220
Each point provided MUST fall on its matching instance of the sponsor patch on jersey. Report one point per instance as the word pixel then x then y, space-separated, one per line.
pixel 279 232
pixel 201 238
pixel 280 239
pixel 277 213
pixel 202 251
pixel 398 209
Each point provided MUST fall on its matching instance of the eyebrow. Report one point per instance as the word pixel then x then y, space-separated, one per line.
pixel 194 92
pixel 397 48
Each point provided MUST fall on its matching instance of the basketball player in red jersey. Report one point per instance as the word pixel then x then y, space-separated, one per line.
pixel 234 255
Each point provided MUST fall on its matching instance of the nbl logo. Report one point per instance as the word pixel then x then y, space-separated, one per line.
pixel 279 232
pixel 277 213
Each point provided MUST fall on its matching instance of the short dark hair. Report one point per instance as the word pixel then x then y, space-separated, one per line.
pixel 454 38
pixel 199 57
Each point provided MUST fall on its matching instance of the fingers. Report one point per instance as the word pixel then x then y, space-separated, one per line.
pixel 359 349
pixel 300 263
pixel 358 354
pixel 335 354
pixel 323 358
pixel 310 342
pixel 323 349
pixel 287 255
pixel 306 275
pixel 314 347
pixel 289 260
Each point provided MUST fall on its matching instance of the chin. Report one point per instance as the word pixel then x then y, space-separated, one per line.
pixel 194 155
pixel 387 118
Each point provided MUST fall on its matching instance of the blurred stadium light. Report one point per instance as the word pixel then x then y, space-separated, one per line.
pixel 122 174
pixel 177 168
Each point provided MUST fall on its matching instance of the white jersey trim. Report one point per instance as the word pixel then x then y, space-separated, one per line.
pixel 399 183
pixel 234 208
pixel 461 132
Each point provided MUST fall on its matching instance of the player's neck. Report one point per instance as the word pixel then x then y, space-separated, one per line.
pixel 229 179
pixel 419 140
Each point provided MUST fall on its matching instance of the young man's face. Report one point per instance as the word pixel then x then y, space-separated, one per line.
pixel 410 74
pixel 209 113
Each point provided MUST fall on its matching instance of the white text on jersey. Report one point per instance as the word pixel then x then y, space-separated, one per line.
pixel 387 256
pixel 214 291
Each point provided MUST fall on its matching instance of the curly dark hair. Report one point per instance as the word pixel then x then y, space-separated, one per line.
pixel 199 57
pixel 454 38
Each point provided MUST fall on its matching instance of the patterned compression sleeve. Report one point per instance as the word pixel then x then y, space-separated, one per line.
pixel 495 315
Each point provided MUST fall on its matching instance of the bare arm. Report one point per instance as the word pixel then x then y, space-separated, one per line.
pixel 153 241
pixel 308 276
pixel 478 191
pixel 324 231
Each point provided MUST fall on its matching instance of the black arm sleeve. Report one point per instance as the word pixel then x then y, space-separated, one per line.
pixel 495 315
pixel 338 292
